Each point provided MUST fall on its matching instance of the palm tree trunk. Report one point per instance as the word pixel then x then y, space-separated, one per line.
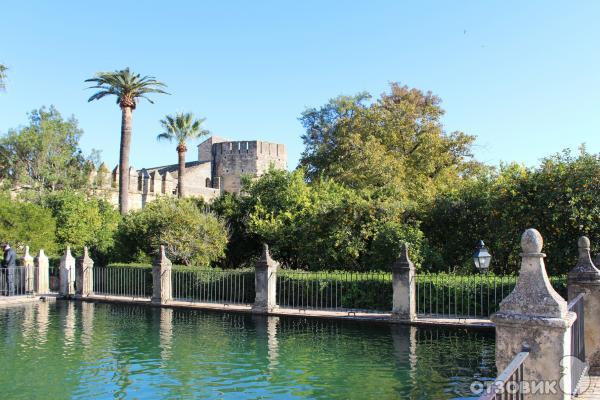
pixel 181 154
pixel 126 116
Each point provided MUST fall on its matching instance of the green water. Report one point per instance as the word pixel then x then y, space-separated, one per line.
pixel 71 350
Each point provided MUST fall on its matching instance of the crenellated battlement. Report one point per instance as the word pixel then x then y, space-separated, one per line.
pixel 220 166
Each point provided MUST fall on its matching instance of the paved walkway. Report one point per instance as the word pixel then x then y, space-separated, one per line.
pixel 244 308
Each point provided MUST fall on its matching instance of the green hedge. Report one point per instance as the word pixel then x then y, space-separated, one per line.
pixel 468 295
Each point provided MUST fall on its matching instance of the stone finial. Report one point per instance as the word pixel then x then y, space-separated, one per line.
pixel 533 294
pixel 403 261
pixel 265 260
pixel 85 258
pixel 161 258
pixel 585 268
pixel 27 258
pixel 67 254
pixel 161 277
pixel 531 242
pixel 41 281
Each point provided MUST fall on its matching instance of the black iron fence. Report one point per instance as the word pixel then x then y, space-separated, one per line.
pixel 16 281
pixel 339 291
pixel 122 281
pixel 466 296
pixel 214 286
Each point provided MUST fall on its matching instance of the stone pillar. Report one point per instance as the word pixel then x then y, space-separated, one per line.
pixel 28 270
pixel 67 274
pixel 534 316
pixel 265 283
pixel 42 277
pixel 85 275
pixel 585 278
pixel 161 278
pixel 403 285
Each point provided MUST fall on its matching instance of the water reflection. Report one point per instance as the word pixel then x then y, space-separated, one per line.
pixel 166 332
pixel 86 350
pixel 87 323
pixel 42 319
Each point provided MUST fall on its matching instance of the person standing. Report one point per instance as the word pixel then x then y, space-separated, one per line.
pixel 9 265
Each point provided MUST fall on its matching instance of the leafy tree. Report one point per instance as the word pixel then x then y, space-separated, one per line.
pixel 45 154
pixel 181 127
pixel 396 144
pixel 559 198
pixel 191 235
pixel 3 69
pixel 244 247
pixel 321 226
pixel 128 87
pixel 26 224
pixel 82 221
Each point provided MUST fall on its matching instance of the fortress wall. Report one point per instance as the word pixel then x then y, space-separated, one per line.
pixel 231 160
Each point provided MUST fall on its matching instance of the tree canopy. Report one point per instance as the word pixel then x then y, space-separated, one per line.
pixel 127 86
pixel 45 154
pixel 181 127
pixel 396 143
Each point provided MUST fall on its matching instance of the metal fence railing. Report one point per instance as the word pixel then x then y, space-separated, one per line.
pixel 461 296
pixel 16 281
pixel 509 384
pixel 578 365
pixel 339 290
pixel 123 281
pixel 214 286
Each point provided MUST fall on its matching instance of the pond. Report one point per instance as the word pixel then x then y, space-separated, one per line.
pixel 78 350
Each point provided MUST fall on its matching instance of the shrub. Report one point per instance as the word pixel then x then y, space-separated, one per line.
pixel 27 224
pixel 191 236
pixel 83 221
pixel 558 198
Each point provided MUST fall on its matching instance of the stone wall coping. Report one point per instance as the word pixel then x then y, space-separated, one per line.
pixel 521 320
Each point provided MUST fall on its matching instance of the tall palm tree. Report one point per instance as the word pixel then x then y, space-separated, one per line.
pixel 128 87
pixel 181 127
pixel 3 69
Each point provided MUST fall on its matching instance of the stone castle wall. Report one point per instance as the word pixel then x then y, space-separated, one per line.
pixel 219 169
pixel 231 160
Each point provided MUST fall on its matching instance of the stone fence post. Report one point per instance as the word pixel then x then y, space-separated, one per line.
pixel 85 276
pixel 41 281
pixel 534 316
pixel 403 285
pixel 67 274
pixel 161 278
pixel 28 269
pixel 265 283
pixel 585 278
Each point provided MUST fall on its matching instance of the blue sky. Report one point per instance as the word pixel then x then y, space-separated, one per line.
pixel 524 77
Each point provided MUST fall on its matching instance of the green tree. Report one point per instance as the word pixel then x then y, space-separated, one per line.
pixel 322 225
pixel 3 69
pixel 558 198
pixel 82 221
pixel 45 154
pixel 26 224
pixel 128 87
pixel 191 235
pixel 181 127
pixel 396 144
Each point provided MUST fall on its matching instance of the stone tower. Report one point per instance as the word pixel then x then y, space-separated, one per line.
pixel 231 160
